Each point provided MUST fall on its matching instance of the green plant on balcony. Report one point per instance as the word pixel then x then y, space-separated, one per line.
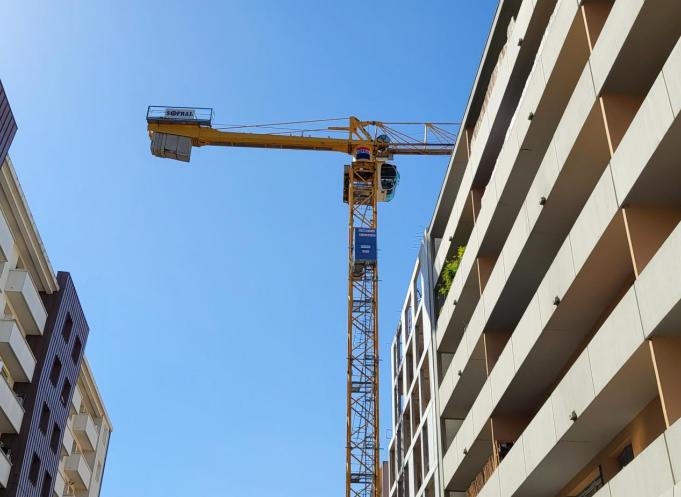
pixel 449 271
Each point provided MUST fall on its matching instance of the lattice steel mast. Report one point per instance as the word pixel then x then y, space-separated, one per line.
pixel 363 445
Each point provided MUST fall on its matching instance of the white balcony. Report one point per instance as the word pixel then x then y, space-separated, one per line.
pixel 76 400
pixel 59 485
pixel 26 302
pixel 78 471
pixel 5 467
pixel 85 431
pixel 11 411
pixel 67 442
pixel 15 352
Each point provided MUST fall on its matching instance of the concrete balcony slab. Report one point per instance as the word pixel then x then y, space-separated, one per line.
pixel 78 471
pixel 26 302
pixel 85 431
pixel 11 411
pixel 5 468
pixel 76 400
pixel 15 352
pixel 59 485
pixel 67 442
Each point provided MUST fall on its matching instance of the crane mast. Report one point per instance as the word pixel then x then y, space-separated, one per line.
pixel 368 179
pixel 362 443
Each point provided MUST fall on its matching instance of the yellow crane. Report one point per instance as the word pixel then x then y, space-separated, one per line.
pixel 367 180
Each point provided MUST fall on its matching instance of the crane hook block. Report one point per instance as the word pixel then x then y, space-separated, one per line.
pixel 171 146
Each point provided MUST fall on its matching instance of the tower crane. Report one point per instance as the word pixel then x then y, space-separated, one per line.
pixel 367 180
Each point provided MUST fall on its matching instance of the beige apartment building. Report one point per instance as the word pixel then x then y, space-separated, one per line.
pixel 28 352
pixel 25 272
pixel 86 440
pixel 552 364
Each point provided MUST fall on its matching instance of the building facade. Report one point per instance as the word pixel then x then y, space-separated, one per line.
pixel 58 352
pixel 25 275
pixel 86 440
pixel 556 349
pixel 412 468
pixel 43 333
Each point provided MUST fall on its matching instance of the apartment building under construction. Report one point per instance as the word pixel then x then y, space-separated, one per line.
pixel 551 365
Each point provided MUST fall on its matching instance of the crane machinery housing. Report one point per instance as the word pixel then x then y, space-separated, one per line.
pixel 367 180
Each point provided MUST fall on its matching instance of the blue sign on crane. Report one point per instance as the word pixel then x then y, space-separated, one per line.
pixel 365 245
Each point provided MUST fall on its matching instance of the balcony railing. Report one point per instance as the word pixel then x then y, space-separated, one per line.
pixel 592 487
pixel 85 431
pixel 5 467
pixel 26 301
pixel 499 451
pixel 16 353
pixel 11 408
pixel 59 484
pixel 67 442
pixel 77 471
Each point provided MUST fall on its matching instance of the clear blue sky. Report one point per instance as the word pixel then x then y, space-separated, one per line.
pixel 215 292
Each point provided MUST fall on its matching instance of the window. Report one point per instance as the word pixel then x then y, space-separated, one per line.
pixel 44 418
pixel 419 287
pixel 65 391
pixel 34 469
pixel 75 353
pixel 424 441
pixel 47 485
pixel 626 456
pixel 55 372
pixel 406 479
pixel 408 320
pixel 54 440
pixel 66 329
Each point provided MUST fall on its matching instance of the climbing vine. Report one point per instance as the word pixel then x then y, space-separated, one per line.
pixel 449 271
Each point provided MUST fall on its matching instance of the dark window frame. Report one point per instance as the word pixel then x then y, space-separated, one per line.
pixel 44 421
pixel 34 469
pixel 55 438
pixel 65 391
pixel 76 350
pixel 55 371
pixel 67 328
pixel 46 488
